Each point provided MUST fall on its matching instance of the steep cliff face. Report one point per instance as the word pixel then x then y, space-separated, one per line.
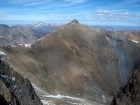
pixel 6 94
pixel 14 88
pixel 3 101
pixel 130 93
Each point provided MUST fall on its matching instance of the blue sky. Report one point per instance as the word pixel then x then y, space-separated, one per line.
pixel 93 12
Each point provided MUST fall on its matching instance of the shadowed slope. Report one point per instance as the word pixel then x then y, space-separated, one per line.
pixel 130 94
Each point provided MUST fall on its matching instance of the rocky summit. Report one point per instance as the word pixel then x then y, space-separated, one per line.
pixel 75 64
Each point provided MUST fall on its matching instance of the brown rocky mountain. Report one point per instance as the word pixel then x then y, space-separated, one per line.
pixel 76 61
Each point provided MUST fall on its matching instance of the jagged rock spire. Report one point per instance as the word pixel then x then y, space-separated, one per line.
pixel 74 21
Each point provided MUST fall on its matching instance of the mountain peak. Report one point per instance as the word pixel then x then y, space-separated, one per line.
pixel 74 21
pixel 40 24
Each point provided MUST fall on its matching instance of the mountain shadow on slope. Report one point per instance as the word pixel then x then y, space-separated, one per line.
pixel 130 93
pixel 3 101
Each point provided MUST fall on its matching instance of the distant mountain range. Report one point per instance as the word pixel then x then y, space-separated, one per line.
pixel 117 28
pixel 11 35
pixel 21 34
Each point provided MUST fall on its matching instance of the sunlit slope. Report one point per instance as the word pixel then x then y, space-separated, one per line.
pixel 77 61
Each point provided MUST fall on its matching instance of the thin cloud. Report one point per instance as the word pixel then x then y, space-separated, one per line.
pixel 19 1
pixel 38 3
pixel 28 2
pixel 133 6
pixel 103 12
pixel 108 15
pixel 71 2
pixel 129 2
pixel 75 1
pixel 63 3
pixel 124 5
pixel 87 16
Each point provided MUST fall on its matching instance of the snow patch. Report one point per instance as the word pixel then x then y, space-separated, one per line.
pixel 15 86
pixel 104 99
pixel 114 43
pixel 38 76
pixel 135 41
pixel 37 89
pixel 47 102
pixel 13 78
pixel 68 99
pixel 108 40
pixel 5 76
pixel 85 74
pixel 61 97
pixel 27 45
pixel 2 53
pixel 20 44
pixel 39 39
pixel 110 88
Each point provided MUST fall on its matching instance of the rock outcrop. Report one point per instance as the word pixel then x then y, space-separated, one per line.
pixel 14 88
pixel 3 101
pixel 73 22
pixel 130 94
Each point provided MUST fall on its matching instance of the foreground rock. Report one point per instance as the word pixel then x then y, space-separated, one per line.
pixel 3 101
pixel 14 88
pixel 130 94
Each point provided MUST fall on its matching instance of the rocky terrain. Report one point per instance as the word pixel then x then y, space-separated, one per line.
pixel 76 64
pixel 133 35
pixel 130 93
pixel 14 89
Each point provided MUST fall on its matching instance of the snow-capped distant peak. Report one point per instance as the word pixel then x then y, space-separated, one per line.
pixel 41 24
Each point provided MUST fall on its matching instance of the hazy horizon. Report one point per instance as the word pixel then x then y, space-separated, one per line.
pixel 119 12
pixel 22 22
